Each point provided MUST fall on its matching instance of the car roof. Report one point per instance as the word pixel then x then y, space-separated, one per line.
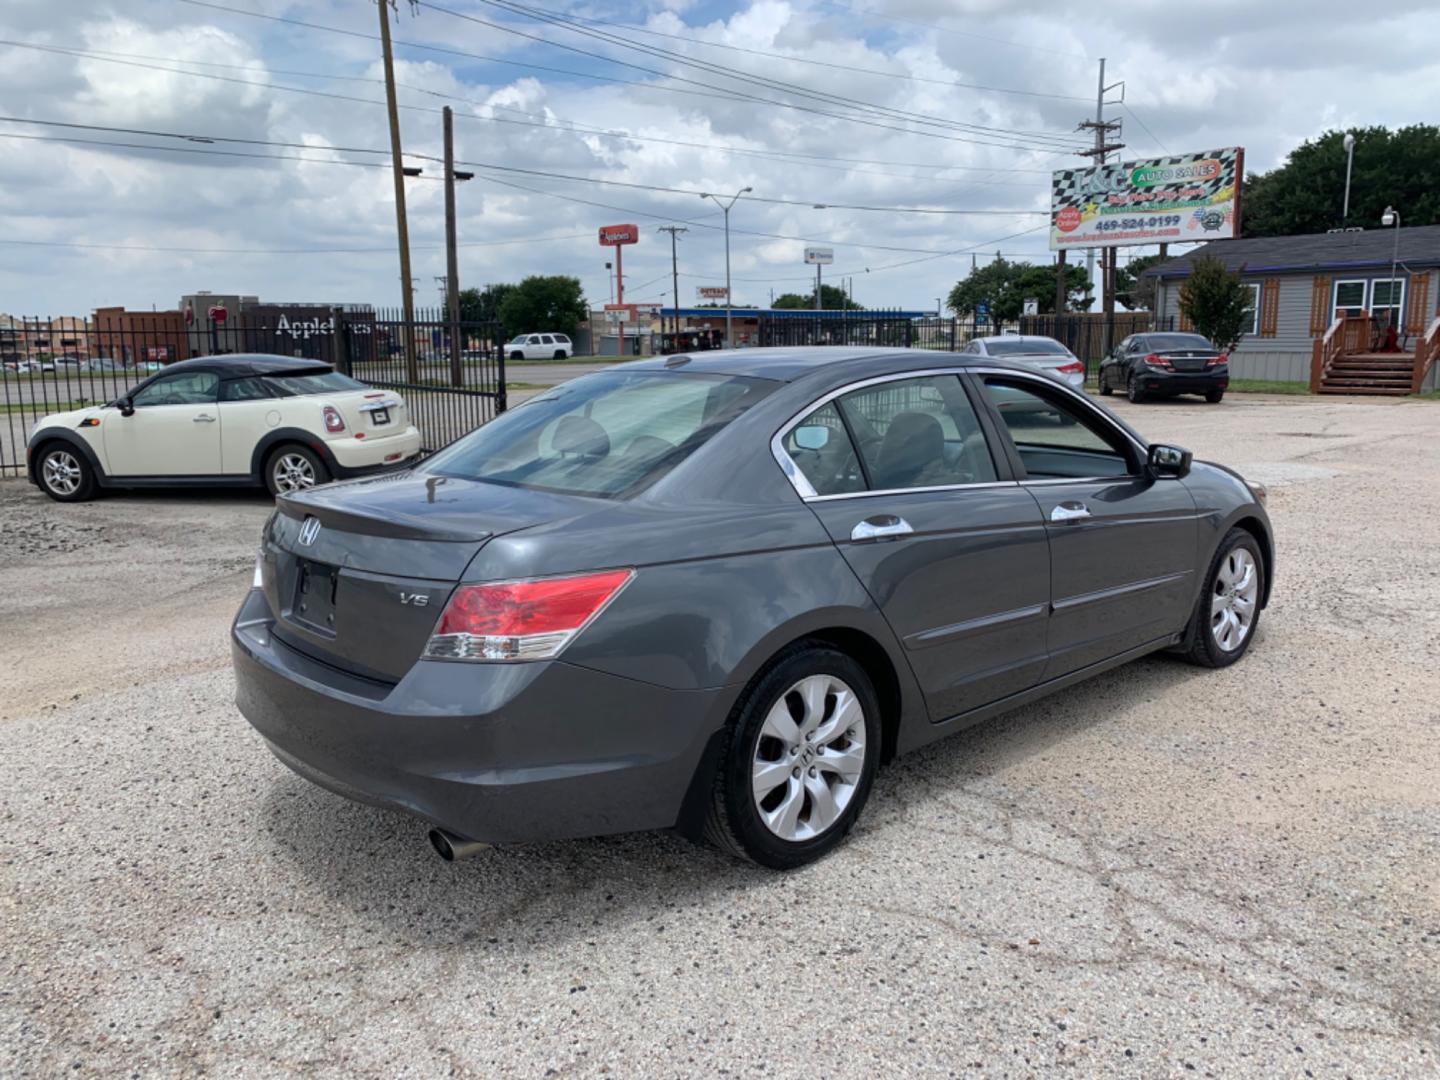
pixel 791 363
pixel 1018 337
pixel 236 364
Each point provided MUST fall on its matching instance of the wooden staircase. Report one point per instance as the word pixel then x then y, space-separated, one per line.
pixel 1368 373
pixel 1341 364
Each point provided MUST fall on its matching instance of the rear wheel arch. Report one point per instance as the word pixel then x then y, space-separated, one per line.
pixel 284 436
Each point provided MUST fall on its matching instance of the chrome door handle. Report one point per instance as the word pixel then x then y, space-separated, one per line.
pixel 881 526
pixel 204 418
pixel 1070 511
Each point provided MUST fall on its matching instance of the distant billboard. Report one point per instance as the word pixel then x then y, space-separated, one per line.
pixel 711 292
pixel 819 256
pixel 1154 201
pixel 615 235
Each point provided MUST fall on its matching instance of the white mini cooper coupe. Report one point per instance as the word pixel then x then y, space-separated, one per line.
pixel 234 420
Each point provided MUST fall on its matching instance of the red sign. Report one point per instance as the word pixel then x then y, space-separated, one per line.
pixel 615 235
pixel 1068 220
pixel 218 314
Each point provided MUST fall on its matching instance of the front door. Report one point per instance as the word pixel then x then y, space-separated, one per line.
pixel 1122 544
pixel 174 430
pixel 955 556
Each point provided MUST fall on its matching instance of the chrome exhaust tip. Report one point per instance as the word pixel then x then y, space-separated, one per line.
pixel 453 848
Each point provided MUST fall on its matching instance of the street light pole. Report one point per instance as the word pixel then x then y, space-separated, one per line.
pixel 1392 217
pixel 729 299
pixel 452 255
pixel 1349 163
pixel 402 230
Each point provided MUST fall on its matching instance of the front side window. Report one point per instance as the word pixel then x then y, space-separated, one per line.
pixel 190 388
pixel 914 433
pixel 1055 440
pixel 316 382
pixel 608 435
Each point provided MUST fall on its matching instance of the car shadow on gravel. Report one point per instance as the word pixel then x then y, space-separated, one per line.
pixel 378 864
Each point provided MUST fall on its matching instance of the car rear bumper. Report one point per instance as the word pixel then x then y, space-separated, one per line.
pixel 1184 382
pixel 493 752
pixel 355 457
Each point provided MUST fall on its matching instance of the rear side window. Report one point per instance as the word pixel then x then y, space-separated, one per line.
pixel 608 435
pixel 918 433
pixel 320 382
pixel 821 449
pixel 248 389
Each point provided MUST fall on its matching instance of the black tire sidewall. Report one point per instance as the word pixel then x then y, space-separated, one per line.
pixel 322 473
pixel 1214 398
pixel 1203 649
pixel 758 842
pixel 1133 391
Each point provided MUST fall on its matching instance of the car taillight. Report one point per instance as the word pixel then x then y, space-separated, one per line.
pixel 1215 361
pixel 1075 367
pixel 333 420
pixel 1156 360
pixel 521 620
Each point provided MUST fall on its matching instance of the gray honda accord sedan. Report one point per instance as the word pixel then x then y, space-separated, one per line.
pixel 715 593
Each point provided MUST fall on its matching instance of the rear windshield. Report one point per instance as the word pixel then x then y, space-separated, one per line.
pixel 1161 342
pixel 609 435
pixel 318 382
pixel 1023 347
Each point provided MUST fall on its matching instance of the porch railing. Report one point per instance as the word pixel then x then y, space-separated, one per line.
pixel 1427 352
pixel 1329 348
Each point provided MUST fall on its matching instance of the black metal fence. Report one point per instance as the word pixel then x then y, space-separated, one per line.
pixel 452 375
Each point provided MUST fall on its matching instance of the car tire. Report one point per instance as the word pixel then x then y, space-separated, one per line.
pixel 1133 391
pixel 292 467
pixel 1215 640
pixel 517 356
pixel 1214 397
pixel 559 354
pixel 1105 388
pixel 64 474
pixel 786 727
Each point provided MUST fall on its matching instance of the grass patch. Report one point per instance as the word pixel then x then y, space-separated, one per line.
pixel 529 386
pixel 1268 386
pixel 1427 395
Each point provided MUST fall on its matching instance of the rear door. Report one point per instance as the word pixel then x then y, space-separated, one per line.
pixel 1123 545
pixel 174 430
pixel 952 551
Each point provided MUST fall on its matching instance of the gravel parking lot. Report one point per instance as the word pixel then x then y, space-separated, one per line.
pixel 1162 872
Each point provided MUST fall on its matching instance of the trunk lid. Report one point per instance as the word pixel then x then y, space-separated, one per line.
pixel 377 414
pixel 357 574
pixel 1188 359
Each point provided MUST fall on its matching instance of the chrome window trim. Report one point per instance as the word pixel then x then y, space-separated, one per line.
pixel 807 491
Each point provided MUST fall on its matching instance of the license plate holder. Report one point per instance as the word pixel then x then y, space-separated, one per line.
pixel 380 416
pixel 314 602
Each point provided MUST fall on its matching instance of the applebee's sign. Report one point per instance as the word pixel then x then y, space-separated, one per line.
pixel 615 235
pixel 304 329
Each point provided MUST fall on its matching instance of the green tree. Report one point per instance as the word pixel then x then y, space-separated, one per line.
pixel 1307 193
pixel 553 302
pixel 832 298
pixel 1130 290
pixel 1004 287
pixel 1216 302
pixel 483 305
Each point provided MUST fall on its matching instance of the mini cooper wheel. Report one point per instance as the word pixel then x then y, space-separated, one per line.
pixel 294 468
pixel 1133 391
pixel 803 747
pixel 64 474
pixel 1229 607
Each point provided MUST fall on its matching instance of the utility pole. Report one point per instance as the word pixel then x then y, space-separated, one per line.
pixel 817 286
pixel 402 230
pixel 1101 150
pixel 674 231
pixel 452 254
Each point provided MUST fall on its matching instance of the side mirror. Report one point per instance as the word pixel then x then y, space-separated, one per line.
pixel 1165 460
pixel 812 437
pixel 127 407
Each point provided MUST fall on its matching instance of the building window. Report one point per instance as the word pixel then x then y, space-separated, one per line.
pixel 1253 326
pixel 1387 296
pixel 1349 298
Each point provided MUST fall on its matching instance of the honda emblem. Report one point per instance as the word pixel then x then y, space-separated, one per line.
pixel 309 529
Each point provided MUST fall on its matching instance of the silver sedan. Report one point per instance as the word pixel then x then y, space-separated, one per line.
pixel 1034 351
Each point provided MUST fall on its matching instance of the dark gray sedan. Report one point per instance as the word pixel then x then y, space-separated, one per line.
pixel 716 593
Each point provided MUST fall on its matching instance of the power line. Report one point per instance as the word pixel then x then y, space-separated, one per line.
pixel 1158 144
pixel 865 14
pixel 675 57
pixel 116 58
pixel 789 58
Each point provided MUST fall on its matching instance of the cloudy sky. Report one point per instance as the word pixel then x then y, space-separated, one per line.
pixel 954 105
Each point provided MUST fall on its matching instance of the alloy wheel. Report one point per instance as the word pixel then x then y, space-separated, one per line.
pixel 1232 605
pixel 293 472
pixel 61 472
pixel 809 758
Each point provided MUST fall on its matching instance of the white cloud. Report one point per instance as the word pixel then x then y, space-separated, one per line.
pixel 1262 76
